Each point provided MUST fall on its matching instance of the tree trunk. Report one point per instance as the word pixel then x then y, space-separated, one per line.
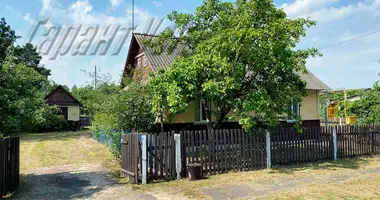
pixel 219 119
pixel 208 115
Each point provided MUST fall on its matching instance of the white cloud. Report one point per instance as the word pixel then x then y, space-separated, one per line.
pixel 157 3
pixel 301 7
pixel 49 7
pixel 115 3
pixel 350 64
pixel 66 69
pixel 326 10
pixel 28 19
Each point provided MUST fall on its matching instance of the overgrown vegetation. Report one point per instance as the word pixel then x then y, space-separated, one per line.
pixel 368 107
pixel 238 55
pixel 117 110
pixel 22 78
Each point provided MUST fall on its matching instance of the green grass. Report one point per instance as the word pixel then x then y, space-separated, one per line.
pixel 63 148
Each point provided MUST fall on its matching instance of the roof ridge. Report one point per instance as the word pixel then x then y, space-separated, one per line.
pixel 145 34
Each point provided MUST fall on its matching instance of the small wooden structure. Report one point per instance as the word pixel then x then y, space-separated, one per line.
pixel 66 102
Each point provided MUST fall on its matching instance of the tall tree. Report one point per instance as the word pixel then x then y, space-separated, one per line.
pixel 7 38
pixel 240 56
pixel 28 56
pixel 20 97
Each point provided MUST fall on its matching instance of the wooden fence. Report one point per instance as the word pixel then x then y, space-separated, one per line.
pixel 131 157
pixel 9 165
pixel 290 147
pixel 221 151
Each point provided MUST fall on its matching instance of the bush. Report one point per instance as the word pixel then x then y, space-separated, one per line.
pixel 128 110
pixel 49 118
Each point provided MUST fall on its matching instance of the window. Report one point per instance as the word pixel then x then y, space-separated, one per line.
pixel 293 110
pixel 145 61
pixel 64 112
pixel 138 63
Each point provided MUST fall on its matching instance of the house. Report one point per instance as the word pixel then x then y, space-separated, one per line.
pixel 66 102
pixel 143 58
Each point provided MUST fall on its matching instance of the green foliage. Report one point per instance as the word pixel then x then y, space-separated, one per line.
pixel 28 56
pixel 20 97
pixel 48 118
pixel 240 56
pixel 128 109
pixel 368 107
pixel 339 95
pixel 22 106
pixel 7 38
pixel 92 97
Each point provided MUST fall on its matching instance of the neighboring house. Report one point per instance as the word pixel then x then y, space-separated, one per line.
pixel 143 58
pixel 66 102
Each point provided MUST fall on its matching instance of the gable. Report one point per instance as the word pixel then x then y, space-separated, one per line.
pixel 61 97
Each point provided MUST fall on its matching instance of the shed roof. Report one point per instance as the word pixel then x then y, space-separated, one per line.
pixel 61 97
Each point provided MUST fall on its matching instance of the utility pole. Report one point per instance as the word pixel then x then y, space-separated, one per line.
pixel 95 78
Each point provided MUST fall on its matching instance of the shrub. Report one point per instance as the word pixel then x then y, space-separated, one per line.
pixel 49 118
pixel 127 110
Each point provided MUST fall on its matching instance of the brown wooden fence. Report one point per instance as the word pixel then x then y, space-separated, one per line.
pixel 9 165
pixel 161 156
pixel 290 147
pixel 131 157
pixel 221 151
pixel 355 141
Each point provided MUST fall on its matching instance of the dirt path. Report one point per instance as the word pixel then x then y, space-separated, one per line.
pixel 265 188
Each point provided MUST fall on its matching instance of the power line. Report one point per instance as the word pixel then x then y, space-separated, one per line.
pixel 352 39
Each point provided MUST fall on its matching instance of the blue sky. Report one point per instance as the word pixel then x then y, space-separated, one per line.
pixel 350 65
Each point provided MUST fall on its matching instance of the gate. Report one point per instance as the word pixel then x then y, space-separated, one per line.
pixel 9 165
pixel 161 156
pixel 131 153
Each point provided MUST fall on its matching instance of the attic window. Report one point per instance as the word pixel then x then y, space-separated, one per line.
pixel 138 63
pixel 145 61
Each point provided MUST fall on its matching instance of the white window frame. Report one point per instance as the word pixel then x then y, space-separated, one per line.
pixel 297 113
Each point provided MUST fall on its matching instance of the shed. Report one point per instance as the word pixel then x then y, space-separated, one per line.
pixel 65 101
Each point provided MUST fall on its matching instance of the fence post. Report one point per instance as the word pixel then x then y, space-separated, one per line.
pixel 268 148
pixel 144 157
pixel 178 162
pixel 335 144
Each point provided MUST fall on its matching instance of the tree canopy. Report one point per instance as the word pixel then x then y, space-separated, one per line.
pixel 22 105
pixel 28 56
pixel 240 56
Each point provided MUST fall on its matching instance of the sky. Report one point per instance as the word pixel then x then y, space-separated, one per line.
pixel 347 65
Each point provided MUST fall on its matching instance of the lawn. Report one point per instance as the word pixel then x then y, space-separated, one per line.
pixel 63 148
pixel 353 189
